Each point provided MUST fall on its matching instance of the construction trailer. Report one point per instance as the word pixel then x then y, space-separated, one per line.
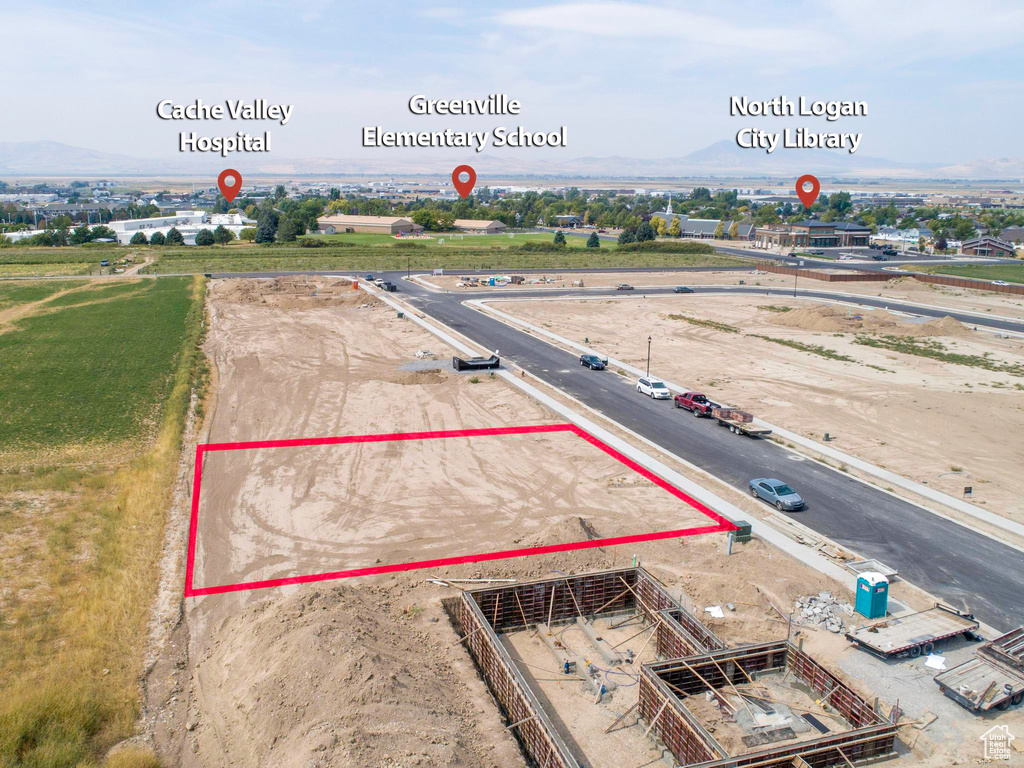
pixel 682 642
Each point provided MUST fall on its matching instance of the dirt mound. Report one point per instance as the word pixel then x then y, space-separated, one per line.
pixel 343 677
pixel 831 319
pixel 295 292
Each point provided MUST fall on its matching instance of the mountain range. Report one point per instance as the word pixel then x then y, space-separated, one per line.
pixel 722 159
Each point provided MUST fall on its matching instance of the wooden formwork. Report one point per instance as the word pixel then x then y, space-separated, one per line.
pixel 661 683
pixel 535 732
pixel 484 613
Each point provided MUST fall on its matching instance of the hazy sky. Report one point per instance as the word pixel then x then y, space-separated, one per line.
pixel 635 79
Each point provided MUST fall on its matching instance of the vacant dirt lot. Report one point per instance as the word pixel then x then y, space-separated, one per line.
pixel 367 671
pixel 940 423
pixel 903 289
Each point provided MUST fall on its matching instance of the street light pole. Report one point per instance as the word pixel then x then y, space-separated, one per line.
pixel 648 355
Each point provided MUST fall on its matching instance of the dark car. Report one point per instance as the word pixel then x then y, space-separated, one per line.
pixel 593 362
pixel 682 289
pixel 623 287
pixel 879 257
pixel 387 285
pixel 370 278
pixel 105 263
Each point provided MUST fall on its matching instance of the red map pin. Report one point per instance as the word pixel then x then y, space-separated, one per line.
pixel 807 197
pixel 230 191
pixel 464 188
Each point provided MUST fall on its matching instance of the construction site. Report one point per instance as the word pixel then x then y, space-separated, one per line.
pixel 395 563
pixel 565 660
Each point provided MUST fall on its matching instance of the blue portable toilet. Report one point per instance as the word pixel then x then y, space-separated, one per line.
pixel 872 595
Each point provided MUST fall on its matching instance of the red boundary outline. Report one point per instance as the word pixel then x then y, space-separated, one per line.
pixel 722 525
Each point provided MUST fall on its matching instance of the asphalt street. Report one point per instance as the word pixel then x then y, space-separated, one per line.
pixel 965 569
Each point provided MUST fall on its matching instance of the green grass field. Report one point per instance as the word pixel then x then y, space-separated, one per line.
pixel 96 385
pixel 14 292
pixel 1011 273
pixel 91 373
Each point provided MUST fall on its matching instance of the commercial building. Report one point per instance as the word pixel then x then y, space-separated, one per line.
pixel 380 225
pixel 479 226
pixel 813 234
pixel 987 246
pixel 187 222
pixel 703 229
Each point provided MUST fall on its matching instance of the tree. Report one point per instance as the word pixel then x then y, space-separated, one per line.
pixel 81 235
pixel 593 241
pixel 674 229
pixel 719 231
pixel 104 232
pixel 840 203
pixel 940 243
pixel 139 238
pixel 659 226
pixel 204 237
pixel 157 238
pixel 560 239
pixel 248 233
pixel 734 230
pixel 222 235
pixel 288 230
pixel 627 236
pixel 266 230
pixel 700 193
pixel 425 218
pixel 174 237
pixel 279 192
pixel 645 232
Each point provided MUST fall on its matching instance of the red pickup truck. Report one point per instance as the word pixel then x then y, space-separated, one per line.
pixel 695 403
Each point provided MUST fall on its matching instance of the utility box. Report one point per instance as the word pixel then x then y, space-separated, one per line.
pixel 872 595
pixel 742 532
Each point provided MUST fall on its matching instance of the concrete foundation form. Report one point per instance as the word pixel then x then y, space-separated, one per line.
pixel 666 686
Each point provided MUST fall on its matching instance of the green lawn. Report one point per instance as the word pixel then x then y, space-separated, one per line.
pixel 92 373
pixel 1010 273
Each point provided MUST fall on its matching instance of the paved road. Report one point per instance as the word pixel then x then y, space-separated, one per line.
pixel 963 568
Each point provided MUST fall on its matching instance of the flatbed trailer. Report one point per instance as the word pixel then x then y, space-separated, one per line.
pixel 739 422
pixel 913 634
pixel 993 679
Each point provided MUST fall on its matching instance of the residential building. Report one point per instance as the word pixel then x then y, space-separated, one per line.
pixel 381 225
pixel 911 236
pixel 1012 235
pixel 479 226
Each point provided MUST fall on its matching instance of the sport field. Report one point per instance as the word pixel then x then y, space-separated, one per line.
pixel 1011 273
pixel 456 240
pixel 98 376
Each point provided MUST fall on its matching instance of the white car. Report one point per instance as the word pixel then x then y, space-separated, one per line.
pixel 999 282
pixel 652 387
